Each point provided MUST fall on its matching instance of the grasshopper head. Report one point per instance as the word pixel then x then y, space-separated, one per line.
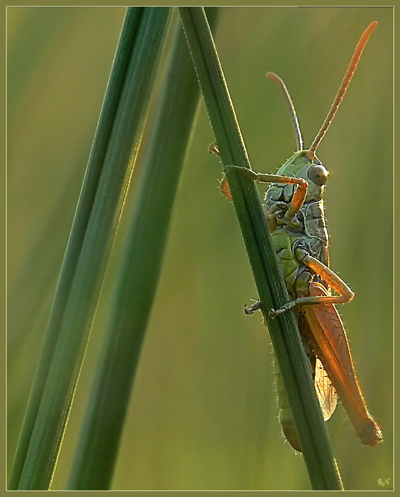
pixel 301 166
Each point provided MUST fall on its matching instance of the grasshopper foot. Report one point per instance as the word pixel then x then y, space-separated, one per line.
pixel 248 310
pixel 251 310
pixel 276 312
pixel 213 149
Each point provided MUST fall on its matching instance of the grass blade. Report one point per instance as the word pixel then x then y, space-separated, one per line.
pixel 82 214
pixel 115 150
pixel 322 468
pixel 139 273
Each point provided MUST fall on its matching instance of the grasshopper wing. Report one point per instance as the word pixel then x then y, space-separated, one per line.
pixel 325 391
pixel 329 342
pixel 323 386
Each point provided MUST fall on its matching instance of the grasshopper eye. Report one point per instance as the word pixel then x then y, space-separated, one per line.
pixel 318 174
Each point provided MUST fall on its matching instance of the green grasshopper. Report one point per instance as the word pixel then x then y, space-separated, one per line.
pixel 295 213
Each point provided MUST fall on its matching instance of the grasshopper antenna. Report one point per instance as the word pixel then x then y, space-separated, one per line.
pixel 343 88
pixel 279 82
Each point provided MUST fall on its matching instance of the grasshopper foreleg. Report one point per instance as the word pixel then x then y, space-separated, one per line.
pixel 298 197
pixel 267 178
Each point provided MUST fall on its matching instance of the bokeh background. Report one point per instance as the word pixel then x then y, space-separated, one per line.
pixel 203 412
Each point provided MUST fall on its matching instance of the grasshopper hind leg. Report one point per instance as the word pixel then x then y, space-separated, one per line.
pixel 330 279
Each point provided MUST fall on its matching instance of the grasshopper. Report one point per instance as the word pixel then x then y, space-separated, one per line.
pixel 294 210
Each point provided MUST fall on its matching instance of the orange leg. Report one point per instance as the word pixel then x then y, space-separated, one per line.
pixel 331 278
pixel 298 197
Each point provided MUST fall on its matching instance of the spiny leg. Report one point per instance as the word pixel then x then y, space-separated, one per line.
pixel 298 197
pixel 331 278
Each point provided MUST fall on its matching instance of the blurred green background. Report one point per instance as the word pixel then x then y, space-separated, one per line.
pixel 203 412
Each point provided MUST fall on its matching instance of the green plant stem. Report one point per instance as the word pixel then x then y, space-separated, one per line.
pixel 86 199
pixel 81 279
pixel 139 272
pixel 321 465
